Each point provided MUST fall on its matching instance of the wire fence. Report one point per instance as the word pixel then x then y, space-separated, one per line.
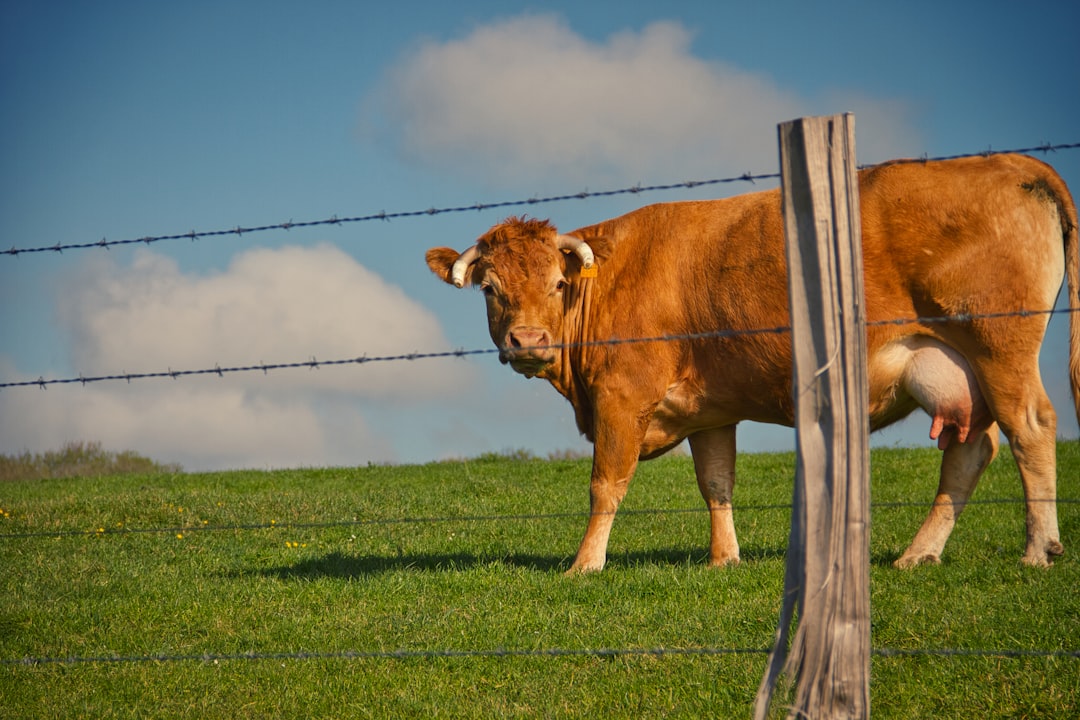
pixel 313 363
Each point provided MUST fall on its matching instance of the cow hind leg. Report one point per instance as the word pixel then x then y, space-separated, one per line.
pixel 962 464
pixel 1030 425
pixel 714 465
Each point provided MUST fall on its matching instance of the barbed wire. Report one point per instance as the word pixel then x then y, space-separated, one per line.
pixel 387 655
pixel 1012 653
pixel 385 216
pixel 238 230
pixel 436 519
pixel 1044 148
pixel 314 364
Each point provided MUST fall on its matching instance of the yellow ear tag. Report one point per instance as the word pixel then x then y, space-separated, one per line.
pixel 589 272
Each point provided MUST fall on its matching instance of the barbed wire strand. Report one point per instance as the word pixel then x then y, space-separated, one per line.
pixel 314 364
pixel 239 231
pixel 513 653
pixel 436 519
pixel 387 216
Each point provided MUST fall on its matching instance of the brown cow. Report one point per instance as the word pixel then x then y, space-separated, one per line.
pixel 977 238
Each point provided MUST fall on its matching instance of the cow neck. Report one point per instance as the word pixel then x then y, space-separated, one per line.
pixel 575 350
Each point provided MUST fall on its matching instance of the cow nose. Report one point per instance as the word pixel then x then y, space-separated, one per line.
pixel 526 337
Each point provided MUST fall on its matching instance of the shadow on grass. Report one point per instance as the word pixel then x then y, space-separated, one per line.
pixel 883 558
pixel 343 565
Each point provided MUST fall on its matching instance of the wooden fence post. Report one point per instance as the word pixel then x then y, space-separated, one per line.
pixel 828 573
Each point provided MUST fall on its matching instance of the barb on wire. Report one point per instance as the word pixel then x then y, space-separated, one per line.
pixel 239 231
pixel 313 364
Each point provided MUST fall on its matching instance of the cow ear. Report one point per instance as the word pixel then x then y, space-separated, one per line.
pixel 600 248
pixel 441 261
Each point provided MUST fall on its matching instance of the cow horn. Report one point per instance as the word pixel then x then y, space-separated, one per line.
pixel 578 246
pixel 461 265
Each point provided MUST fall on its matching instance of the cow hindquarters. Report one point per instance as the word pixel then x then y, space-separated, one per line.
pixel 962 465
pixel 714 465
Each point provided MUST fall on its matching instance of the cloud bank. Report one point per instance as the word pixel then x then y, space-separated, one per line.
pixel 528 98
pixel 269 305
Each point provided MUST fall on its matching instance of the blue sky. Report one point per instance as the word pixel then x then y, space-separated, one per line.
pixel 131 119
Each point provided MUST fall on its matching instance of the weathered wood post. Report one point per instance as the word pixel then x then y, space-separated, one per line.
pixel 828 572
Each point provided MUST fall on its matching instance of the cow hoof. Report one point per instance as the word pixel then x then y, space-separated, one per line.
pixel 910 560
pixel 724 562
pixel 582 569
pixel 1045 558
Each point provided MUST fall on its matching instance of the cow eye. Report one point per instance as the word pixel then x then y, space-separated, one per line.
pixel 487 289
pixel 560 286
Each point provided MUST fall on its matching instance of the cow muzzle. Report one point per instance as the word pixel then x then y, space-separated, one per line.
pixel 528 350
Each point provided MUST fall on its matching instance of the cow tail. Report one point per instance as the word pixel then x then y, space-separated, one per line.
pixel 1069 230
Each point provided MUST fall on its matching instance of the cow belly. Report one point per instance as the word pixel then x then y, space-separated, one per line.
pixel 668 422
pixel 912 372
pixel 686 409
pixel 925 372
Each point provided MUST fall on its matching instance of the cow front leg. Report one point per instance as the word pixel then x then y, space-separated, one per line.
pixel 962 464
pixel 615 458
pixel 604 497
pixel 714 465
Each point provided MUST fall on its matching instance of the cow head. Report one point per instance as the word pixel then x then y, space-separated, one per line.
pixel 524 268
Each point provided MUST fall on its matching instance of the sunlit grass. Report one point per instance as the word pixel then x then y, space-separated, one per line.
pixel 308 568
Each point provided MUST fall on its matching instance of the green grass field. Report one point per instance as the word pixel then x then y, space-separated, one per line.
pixel 437 591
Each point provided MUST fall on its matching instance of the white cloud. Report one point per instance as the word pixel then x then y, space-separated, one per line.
pixel 202 424
pixel 528 98
pixel 269 306
pixel 272 306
